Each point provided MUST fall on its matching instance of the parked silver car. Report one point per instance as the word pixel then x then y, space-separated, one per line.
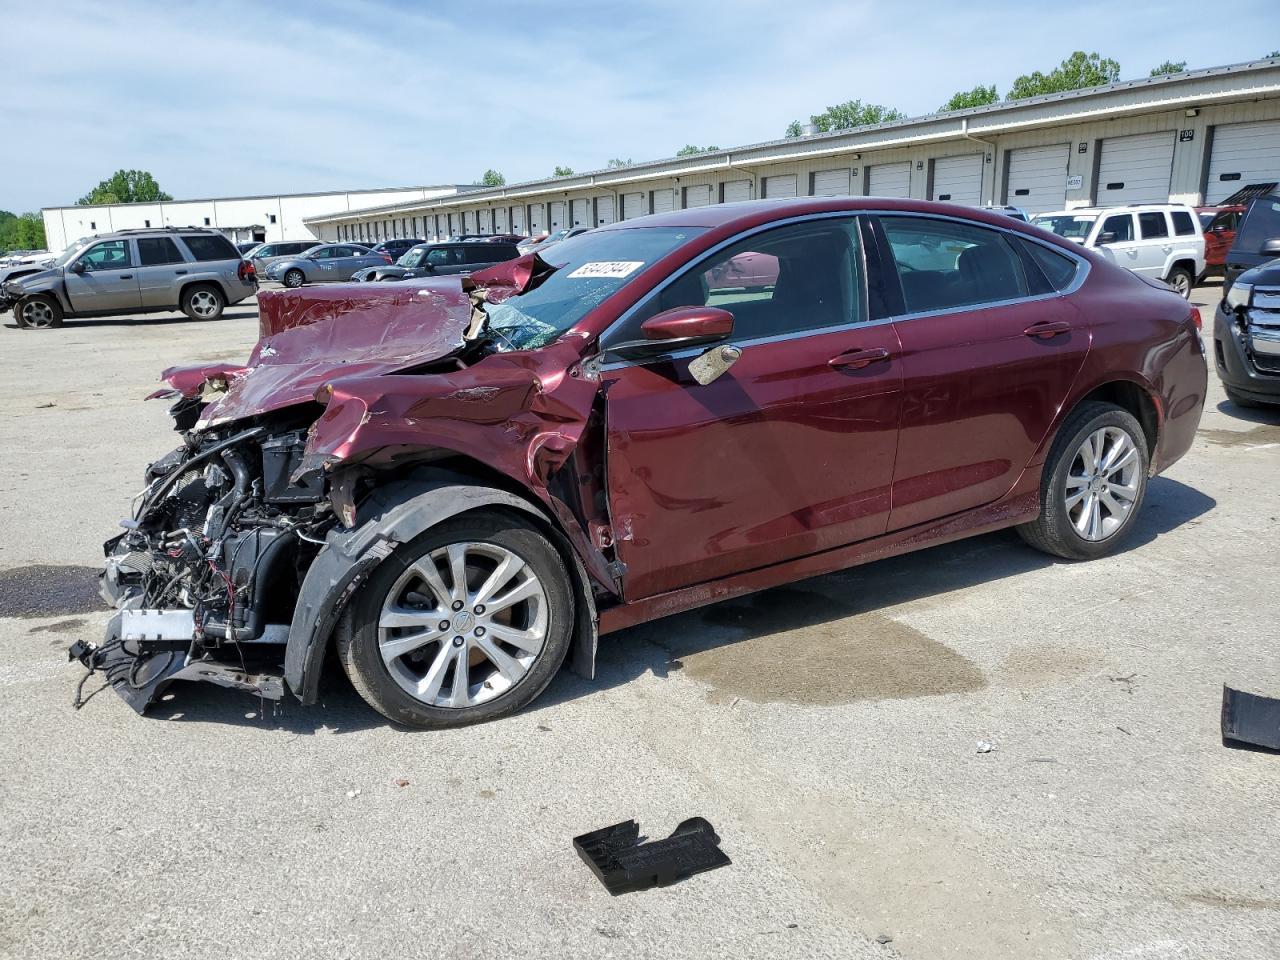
pixel 265 254
pixel 327 262
pixel 134 271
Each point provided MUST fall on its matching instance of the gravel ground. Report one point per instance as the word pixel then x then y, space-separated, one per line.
pixel 828 729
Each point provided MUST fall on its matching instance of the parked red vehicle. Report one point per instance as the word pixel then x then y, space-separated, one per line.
pixel 459 484
pixel 1219 233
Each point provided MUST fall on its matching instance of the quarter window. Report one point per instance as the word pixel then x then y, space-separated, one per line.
pixel 1121 226
pixel 211 247
pixel 1153 225
pixel 945 265
pixel 1057 268
pixel 1183 225
pixel 108 255
pixel 155 251
pixel 799 277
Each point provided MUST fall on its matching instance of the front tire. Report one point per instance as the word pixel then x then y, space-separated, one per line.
pixel 203 302
pixel 38 312
pixel 1093 484
pixel 293 278
pixel 465 623
pixel 1182 281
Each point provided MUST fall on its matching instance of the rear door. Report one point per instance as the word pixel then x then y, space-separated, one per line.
pixel 109 281
pixel 1154 244
pixel 789 452
pixel 161 267
pixel 990 348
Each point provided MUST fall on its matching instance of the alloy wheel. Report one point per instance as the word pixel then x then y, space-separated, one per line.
pixel 37 314
pixel 1181 283
pixel 204 304
pixel 1102 483
pixel 463 624
pixel 293 278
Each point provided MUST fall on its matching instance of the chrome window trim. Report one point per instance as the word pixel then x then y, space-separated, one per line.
pixel 1083 268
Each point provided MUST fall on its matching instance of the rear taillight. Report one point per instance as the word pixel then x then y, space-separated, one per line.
pixel 1195 318
pixel 246 271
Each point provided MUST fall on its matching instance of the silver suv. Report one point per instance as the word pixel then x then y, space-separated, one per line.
pixel 134 271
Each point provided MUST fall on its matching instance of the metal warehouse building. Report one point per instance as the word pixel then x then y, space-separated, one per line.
pixel 1195 137
pixel 279 217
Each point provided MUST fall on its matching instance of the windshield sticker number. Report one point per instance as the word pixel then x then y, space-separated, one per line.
pixel 613 269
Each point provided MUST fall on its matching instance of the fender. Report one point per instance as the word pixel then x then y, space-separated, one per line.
pixel 397 513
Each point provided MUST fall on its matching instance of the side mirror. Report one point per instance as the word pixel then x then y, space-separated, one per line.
pixel 1272 247
pixel 426 267
pixel 1106 237
pixel 677 329
pixel 78 267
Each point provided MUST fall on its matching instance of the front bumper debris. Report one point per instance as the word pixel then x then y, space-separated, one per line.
pixel 143 651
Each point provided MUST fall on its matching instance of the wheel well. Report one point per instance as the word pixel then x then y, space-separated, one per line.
pixel 1188 265
pixel 182 291
pixel 1130 396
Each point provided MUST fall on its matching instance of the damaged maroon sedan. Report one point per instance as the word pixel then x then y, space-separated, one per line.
pixel 458 484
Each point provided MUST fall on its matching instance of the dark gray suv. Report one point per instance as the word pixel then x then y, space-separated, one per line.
pixel 134 271
pixel 436 259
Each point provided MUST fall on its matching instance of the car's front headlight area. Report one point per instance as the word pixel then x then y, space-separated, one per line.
pixel 1239 295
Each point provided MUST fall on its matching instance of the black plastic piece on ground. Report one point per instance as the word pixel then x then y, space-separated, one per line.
pixel 1249 718
pixel 623 864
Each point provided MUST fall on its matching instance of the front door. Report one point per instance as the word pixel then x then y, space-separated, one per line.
pixel 789 452
pixel 989 353
pixel 109 281
pixel 1125 249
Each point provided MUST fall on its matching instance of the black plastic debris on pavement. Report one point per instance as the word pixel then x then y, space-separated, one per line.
pixel 1248 718
pixel 624 864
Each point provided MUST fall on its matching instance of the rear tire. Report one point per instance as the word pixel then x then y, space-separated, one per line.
pixel 410 627
pixel 293 279
pixel 38 312
pixel 1182 281
pixel 1087 510
pixel 203 301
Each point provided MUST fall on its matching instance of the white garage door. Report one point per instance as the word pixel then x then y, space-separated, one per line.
pixel 831 183
pixel 664 200
pixel 454 228
pixel 1037 180
pixel 517 219
pixel 736 190
pixel 958 179
pixel 559 214
pixel 1135 169
pixel 699 196
pixel 582 213
pixel 1243 153
pixel 537 218
pixel 634 205
pixel 783 186
pixel 604 211
pixel 889 180
pixel 500 224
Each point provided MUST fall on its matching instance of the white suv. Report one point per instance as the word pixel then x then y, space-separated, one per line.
pixel 1160 240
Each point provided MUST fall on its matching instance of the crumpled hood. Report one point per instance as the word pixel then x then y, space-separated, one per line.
pixel 310 336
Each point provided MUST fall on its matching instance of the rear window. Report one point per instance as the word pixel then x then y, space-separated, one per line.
pixel 154 251
pixel 1153 225
pixel 1058 268
pixel 1183 225
pixel 210 247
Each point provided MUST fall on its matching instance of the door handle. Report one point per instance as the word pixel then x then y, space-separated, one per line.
pixel 1047 328
pixel 180 273
pixel 857 359
pixel 126 276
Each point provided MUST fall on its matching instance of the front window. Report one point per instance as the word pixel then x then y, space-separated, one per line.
pixel 1121 228
pixel 109 255
pixel 590 268
pixel 1067 225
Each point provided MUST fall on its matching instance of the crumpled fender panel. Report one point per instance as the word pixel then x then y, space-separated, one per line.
pixel 396 514
pixel 522 414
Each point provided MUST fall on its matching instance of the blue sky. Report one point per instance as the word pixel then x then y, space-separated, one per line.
pixel 223 97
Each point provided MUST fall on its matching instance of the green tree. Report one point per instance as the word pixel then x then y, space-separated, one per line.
pixel 846 116
pixel 979 96
pixel 689 150
pixel 1169 66
pixel 492 178
pixel 1274 54
pixel 126 186
pixel 25 232
pixel 563 172
pixel 1077 71
pixel 618 163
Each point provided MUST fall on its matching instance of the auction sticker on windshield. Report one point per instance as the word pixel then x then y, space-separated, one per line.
pixel 616 269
